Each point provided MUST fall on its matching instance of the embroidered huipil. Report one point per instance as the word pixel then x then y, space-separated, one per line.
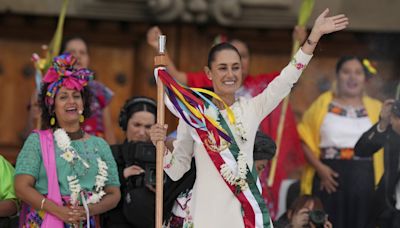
pixel 30 162
pixel 213 204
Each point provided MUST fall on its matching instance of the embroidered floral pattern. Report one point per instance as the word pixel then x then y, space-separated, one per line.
pixel 170 161
pixel 298 65
pixel 347 111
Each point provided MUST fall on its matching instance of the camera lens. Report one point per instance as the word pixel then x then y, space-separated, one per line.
pixel 317 217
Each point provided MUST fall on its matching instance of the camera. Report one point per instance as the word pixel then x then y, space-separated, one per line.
pixel 317 217
pixel 142 154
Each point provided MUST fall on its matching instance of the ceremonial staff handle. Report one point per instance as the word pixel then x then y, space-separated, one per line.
pixel 160 61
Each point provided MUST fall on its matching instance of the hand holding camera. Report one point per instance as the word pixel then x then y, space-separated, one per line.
pixel 384 117
pixel 310 218
pixel 133 170
pixel 140 162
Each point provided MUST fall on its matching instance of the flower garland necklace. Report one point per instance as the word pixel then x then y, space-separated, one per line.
pixel 71 156
pixel 238 180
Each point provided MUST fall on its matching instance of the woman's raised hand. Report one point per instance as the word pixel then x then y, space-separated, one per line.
pixel 325 24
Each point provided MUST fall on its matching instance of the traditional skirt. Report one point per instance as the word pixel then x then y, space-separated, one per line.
pixel 31 218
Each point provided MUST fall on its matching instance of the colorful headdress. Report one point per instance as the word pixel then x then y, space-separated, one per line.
pixel 62 73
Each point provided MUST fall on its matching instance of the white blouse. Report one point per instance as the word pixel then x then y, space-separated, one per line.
pixel 343 131
pixel 213 204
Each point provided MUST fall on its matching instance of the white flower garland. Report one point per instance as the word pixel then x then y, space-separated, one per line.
pixel 64 143
pixel 101 178
pixel 225 170
pixel 240 178
pixel 239 127
pixel 69 154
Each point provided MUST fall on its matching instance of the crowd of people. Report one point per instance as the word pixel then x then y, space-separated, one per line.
pixel 72 173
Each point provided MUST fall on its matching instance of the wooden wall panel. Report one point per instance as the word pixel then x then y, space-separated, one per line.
pixel 114 67
pixel 16 86
pixel 124 62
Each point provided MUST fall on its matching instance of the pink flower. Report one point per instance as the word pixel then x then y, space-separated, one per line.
pixel 299 66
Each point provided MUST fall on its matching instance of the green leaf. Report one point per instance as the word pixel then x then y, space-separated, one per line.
pixel 306 9
pixel 55 44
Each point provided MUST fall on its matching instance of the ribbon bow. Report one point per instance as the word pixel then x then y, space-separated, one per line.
pixel 369 66
pixel 63 74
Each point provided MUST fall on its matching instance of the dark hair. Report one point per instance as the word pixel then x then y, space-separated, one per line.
pixel 264 147
pixel 217 48
pixel 48 111
pixel 133 105
pixel 302 200
pixel 69 38
pixel 346 58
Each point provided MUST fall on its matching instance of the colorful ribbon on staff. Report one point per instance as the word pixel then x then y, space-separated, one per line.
pixel 192 108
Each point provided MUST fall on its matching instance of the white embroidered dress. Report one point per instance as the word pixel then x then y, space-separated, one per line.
pixel 213 205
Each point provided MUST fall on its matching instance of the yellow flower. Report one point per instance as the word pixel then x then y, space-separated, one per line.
pixel 367 64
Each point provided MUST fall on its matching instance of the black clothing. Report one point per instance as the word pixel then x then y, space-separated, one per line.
pixel 383 210
pixel 140 212
pixel 116 217
pixel 348 206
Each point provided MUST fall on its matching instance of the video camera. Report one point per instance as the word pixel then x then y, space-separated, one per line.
pixel 142 154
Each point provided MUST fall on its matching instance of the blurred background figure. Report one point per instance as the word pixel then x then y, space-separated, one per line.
pixel 304 211
pixel 385 208
pixel 8 200
pixel 99 123
pixel 329 130
pixel 136 166
pixel 264 150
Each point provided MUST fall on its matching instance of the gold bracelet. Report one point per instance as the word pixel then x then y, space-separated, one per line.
pixel 42 203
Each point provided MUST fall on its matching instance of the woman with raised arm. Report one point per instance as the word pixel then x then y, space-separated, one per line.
pixel 227 192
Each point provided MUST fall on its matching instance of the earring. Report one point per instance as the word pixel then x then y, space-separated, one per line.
pixel 81 118
pixel 52 121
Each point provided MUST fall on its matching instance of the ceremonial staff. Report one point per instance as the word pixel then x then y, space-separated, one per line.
pixel 304 14
pixel 160 62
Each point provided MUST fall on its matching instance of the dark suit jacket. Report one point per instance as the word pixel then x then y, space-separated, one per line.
pixel 369 143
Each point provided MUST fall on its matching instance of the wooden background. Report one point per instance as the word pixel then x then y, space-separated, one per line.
pixel 123 61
